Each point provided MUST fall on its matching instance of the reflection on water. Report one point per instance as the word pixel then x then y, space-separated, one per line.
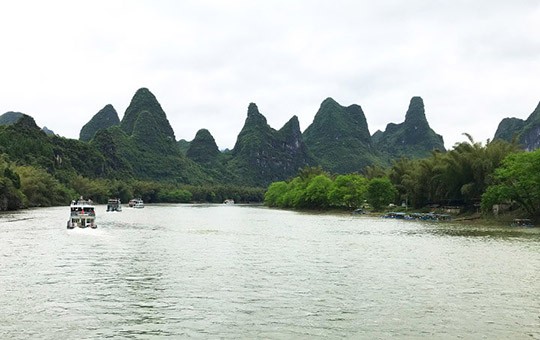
pixel 215 271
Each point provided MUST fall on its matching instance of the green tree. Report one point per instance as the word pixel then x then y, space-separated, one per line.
pixel 275 193
pixel 380 192
pixel 11 197
pixel 349 191
pixel 317 192
pixel 41 188
pixel 175 196
pixel 517 180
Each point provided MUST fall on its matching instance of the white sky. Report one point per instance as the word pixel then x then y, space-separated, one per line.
pixel 473 62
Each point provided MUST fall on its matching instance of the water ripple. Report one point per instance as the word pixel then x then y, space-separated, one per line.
pixel 203 271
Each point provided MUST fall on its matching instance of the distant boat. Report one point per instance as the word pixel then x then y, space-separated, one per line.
pixel 228 201
pixel 522 222
pixel 114 204
pixel 82 214
pixel 136 203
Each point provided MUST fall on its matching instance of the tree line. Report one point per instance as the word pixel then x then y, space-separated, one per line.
pixel 471 175
pixel 24 186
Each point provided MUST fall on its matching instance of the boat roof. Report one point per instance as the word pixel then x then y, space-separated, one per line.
pixel 82 203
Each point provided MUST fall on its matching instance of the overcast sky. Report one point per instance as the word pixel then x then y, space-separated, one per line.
pixel 473 62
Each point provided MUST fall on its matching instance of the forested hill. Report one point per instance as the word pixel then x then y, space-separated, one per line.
pixel 262 155
pixel 142 144
pixel 413 138
pixel 525 132
pixel 105 118
pixel 339 138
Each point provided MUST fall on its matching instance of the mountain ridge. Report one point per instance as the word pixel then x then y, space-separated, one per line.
pixel 525 132
pixel 143 144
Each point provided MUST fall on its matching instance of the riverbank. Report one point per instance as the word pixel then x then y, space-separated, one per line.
pixel 469 218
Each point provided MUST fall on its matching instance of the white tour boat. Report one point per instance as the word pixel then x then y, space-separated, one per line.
pixel 136 203
pixel 114 204
pixel 83 214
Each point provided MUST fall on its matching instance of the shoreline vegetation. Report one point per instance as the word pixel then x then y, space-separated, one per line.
pixel 479 182
pixel 335 163
pixel 495 182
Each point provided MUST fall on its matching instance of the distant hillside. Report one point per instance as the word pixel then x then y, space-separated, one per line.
pixel 203 149
pixel 413 138
pixel 526 132
pixel 47 131
pixel 339 138
pixel 145 101
pixel 262 155
pixel 144 144
pixel 10 118
pixel 104 119
pixel 25 143
pixel 183 145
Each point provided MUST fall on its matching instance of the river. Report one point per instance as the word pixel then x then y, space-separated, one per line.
pixel 233 271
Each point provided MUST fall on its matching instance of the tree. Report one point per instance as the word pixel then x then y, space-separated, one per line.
pixel 274 194
pixel 380 192
pixel 97 190
pixel 41 188
pixel 317 192
pixel 348 191
pixel 175 196
pixel 517 180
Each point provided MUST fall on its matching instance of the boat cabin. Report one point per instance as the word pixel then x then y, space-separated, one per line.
pixel 82 214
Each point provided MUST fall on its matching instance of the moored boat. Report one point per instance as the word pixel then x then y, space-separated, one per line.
pixel 418 216
pixel 82 214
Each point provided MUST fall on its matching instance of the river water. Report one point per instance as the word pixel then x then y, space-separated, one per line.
pixel 222 271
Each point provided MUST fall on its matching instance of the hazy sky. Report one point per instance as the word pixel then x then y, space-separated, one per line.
pixel 473 62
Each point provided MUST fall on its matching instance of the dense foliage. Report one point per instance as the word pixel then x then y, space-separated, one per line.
pixel 41 170
pixel 315 189
pixel 29 186
pixel 517 181
pixel 466 176
pixel 458 177
pixel 11 197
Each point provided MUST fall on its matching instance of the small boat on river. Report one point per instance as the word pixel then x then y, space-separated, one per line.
pixel 82 214
pixel 114 204
pixel 136 203
pixel 522 222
